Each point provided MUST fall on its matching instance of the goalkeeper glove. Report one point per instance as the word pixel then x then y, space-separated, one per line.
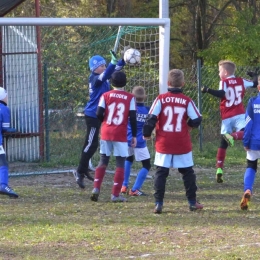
pixel 204 89
pixel 113 57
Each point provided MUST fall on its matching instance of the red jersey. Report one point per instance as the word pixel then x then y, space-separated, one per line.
pixel 117 104
pixel 172 131
pixel 232 103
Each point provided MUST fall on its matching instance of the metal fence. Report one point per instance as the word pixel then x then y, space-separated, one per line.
pixel 69 123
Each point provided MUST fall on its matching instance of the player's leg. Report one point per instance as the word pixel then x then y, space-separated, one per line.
pixel 143 155
pixel 226 127
pixel 184 163
pixel 189 181
pixel 120 152
pixel 249 177
pixel 89 148
pixel 105 152
pixel 221 155
pixel 128 165
pixel 4 188
pixel 238 125
pixel 160 177
pixel 163 163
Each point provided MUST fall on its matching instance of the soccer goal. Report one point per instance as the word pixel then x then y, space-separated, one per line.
pixel 66 46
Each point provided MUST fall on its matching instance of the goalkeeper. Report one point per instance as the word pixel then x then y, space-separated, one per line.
pixel 231 93
pixel 98 84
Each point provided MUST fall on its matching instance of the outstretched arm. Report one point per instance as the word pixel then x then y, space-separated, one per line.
pixel 213 92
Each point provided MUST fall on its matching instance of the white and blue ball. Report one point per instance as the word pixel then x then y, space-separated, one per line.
pixel 132 56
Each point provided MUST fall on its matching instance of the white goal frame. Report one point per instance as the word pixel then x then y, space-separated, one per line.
pixel 163 23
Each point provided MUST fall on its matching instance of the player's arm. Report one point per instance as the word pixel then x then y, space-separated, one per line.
pixel 213 92
pixel 254 76
pixel 100 113
pixel 133 121
pixel 151 119
pixel 112 66
pixel 249 123
pixel 133 125
pixel 195 117
pixel 6 122
pixel 149 125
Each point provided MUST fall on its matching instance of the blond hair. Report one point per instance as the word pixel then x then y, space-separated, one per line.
pixel 228 65
pixel 139 93
pixel 176 78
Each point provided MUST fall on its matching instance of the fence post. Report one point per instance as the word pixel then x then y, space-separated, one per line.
pixel 199 99
pixel 46 109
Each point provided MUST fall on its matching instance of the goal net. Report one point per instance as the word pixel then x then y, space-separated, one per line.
pixel 63 93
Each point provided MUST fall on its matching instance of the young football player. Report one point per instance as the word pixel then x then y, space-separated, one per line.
pixel 4 127
pixel 251 142
pixel 140 152
pixel 98 84
pixel 114 109
pixel 231 93
pixel 173 114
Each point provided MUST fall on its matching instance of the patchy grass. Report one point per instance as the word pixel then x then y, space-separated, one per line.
pixel 53 219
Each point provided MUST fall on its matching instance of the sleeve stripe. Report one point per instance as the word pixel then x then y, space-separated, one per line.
pixel 153 105
pixel 248 119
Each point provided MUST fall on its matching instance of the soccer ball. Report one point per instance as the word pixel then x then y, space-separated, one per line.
pixel 132 56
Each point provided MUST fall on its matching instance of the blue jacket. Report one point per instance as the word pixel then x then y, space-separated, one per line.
pixel 4 119
pixel 252 130
pixel 98 85
pixel 141 114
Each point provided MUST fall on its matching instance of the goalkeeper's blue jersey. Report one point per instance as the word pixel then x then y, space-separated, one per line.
pixel 4 119
pixel 98 85
pixel 252 129
pixel 141 115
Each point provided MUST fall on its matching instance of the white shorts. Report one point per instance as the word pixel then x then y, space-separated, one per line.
pixel 139 153
pixel 118 148
pixel 232 124
pixel 252 155
pixel 173 161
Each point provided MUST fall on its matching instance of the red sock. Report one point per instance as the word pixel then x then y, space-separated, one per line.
pixel 221 155
pixel 118 181
pixel 238 135
pixel 99 175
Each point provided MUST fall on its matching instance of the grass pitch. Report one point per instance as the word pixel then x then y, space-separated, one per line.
pixel 54 219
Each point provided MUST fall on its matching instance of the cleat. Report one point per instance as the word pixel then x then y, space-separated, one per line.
pixel 196 206
pixel 229 139
pixel 158 208
pixel 6 190
pixel 245 200
pixel 124 190
pixel 219 175
pixel 119 198
pixel 136 193
pixel 88 176
pixel 95 194
pixel 79 179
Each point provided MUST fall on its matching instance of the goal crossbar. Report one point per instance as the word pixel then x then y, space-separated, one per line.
pixel 85 21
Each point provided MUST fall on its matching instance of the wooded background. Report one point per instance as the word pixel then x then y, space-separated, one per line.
pixel 208 29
